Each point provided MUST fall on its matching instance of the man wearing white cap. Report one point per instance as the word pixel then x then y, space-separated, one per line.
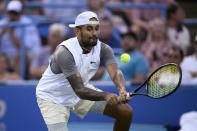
pixel 11 38
pixel 64 85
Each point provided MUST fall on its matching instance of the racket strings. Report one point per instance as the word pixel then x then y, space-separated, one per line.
pixel 163 81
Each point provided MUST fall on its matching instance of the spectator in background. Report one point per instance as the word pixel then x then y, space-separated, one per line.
pixel 142 17
pixel 177 32
pixel 188 121
pixel 62 13
pixel 175 55
pixel 98 7
pixel 4 74
pixel 11 38
pixel 120 16
pixel 156 47
pixel 57 34
pixel 136 70
pixel 2 8
pixel 108 33
pixel 189 67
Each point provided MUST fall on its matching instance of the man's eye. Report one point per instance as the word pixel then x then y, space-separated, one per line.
pixel 89 28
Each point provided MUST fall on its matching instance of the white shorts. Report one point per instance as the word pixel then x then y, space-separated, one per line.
pixel 55 113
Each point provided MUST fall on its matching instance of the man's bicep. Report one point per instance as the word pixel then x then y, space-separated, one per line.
pixel 107 55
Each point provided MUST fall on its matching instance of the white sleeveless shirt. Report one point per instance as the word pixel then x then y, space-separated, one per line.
pixel 56 88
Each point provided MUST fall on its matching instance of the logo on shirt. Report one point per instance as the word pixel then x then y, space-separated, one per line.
pixel 92 62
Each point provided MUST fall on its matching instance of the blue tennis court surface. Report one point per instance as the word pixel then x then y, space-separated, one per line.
pixel 93 126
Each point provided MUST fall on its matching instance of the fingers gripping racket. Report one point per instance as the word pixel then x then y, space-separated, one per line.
pixel 162 82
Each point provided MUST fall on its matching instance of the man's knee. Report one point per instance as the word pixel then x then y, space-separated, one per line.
pixel 125 111
pixel 119 111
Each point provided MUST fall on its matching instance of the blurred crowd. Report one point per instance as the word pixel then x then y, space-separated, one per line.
pixel 150 39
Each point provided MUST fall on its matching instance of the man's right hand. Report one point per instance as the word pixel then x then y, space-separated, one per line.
pixel 112 99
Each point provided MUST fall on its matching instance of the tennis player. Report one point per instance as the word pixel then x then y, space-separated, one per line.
pixel 64 85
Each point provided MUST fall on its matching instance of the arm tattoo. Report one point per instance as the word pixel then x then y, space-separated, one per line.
pixel 83 92
pixel 119 80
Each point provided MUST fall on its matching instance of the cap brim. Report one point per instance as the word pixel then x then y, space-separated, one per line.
pixel 72 25
pixel 14 11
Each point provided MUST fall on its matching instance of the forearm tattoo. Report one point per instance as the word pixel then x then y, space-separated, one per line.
pixel 119 80
pixel 83 92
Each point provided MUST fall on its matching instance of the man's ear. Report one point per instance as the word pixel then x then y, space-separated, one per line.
pixel 76 31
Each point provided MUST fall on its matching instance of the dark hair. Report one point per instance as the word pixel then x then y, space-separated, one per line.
pixel 179 49
pixel 131 34
pixel 171 9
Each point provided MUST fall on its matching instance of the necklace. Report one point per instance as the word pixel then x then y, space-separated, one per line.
pixel 85 50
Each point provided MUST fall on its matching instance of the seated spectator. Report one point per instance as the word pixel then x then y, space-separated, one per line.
pixel 175 55
pixel 4 74
pixel 108 34
pixel 156 47
pixel 188 121
pixel 98 6
pixel 11 38
pixel 177 32
pixel 142 16
pixel 2 7
pixel 57 34
pixel 136 70
pixel 189 67
pixel 120 16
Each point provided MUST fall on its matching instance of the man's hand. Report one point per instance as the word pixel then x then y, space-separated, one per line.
pixel 112 99
pixel 123 97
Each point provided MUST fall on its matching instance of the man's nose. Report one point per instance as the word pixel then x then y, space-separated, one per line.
pixel 95 32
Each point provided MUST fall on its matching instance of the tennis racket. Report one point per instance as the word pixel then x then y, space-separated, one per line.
pixel 161 83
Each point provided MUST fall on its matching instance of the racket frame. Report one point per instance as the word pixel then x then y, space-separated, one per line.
pixel 133 93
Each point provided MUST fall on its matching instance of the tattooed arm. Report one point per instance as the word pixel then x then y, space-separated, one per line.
pixel 90 94
pixel 85 93
pixel 118 79
pixel 107 56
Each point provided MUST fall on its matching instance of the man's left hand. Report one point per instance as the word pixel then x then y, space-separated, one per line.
pixel 123 97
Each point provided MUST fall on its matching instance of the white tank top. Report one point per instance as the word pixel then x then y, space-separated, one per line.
pixel 56 88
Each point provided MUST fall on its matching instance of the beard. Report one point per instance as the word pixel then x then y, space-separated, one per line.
pixel 90 42
pixel 93 41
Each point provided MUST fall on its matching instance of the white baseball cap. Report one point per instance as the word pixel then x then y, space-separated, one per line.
pixel 14 5
pixel 84 19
